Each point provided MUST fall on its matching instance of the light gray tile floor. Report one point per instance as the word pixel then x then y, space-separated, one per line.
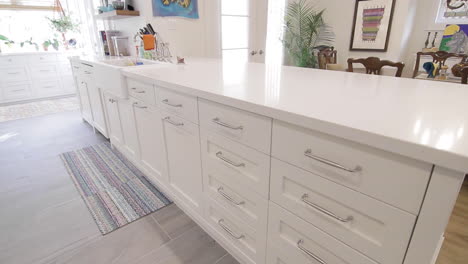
pixel 44 221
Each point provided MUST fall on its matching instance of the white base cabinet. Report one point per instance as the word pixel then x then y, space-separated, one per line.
pixel 270 192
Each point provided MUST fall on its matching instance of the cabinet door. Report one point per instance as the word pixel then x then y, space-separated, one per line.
pixel 149 128
pixel 184 165
pixel 113 120
pixel 127 118
pixel 84 100
pixel 95 97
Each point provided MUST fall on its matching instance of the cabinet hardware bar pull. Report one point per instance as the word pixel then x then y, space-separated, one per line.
pixel 133 88
pixel 308 153
pixel 18 90
pixel 229 198
pixel 312 255
pixel 140 92
pixel 168 119
pixel 229 231
pixel 325 211
pixel 166 101
pixel 87 72
pixel 14 73
pixel 135 104
pixel 221 123
pixel 219 154
pixel 49 86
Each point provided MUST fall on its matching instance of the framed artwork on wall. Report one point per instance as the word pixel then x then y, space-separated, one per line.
pixel 372 24
pixel 182 8
pixel 453 12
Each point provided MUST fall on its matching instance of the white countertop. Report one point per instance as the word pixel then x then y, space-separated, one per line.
pixel 425 120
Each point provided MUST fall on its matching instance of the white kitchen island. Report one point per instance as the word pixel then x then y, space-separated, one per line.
pixel 290 165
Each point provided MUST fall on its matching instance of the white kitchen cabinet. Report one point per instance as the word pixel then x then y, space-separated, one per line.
pixel 113 119
pixel 86 112
pixel 95 98
pixel 130 136
pixel 182 142
pixel 149 129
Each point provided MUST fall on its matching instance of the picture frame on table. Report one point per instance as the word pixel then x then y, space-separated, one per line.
pixel 372 25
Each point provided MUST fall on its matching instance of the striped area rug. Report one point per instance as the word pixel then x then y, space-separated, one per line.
pixel 114 190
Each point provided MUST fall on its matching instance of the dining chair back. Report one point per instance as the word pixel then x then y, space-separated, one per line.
pixel 374 65
pixel 438 57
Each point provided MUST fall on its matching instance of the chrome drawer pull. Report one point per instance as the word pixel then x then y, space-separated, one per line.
pixel 14 73
pixel 312 255
pixel 308 153
pixel 166 101
pixel 140 92
pixel 18 90
pixel 112 100
pixel 87 72
pixel 229 231
pixel 219 154
pixel 168 119
pixel 325 211
pixel 133 88
pixel 221 123
pixel 229 198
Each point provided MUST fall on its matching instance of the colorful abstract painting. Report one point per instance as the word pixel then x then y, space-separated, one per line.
pixel 183 8
pixel 372 23
pixel 455 39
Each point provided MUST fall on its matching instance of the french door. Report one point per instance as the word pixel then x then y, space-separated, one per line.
pixel 243 29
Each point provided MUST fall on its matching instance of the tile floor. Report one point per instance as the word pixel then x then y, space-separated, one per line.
pixel 43 219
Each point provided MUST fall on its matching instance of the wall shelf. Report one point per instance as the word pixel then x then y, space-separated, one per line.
pixel 118 14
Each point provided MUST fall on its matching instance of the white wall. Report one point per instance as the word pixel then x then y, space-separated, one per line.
pixel 187 37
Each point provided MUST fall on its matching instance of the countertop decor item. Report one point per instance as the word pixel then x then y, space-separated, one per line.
pixel 183 8
pixel 114 190
pixel 305 32
pixel 372 24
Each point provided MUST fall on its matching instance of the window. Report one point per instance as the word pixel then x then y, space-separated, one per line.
pixel 235 29
pixel 29 4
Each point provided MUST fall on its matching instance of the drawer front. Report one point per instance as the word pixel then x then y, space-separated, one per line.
pixel 46 58
pixel 391 178
pixel 43 72
pixel 14 74
pixel 376 229
pixel 11 61
pixel 142 91
pixel 247 128
pixel 86 70
pixel 241 164
pixel 291 240
pixel 47 88
pixel 237 234
pixel 245 204
pixel 178 104
pixel 18 91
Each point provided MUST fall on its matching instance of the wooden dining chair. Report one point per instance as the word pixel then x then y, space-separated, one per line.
pixel 464 75
pixel 374 65
pixel 327 56
pixel 438 57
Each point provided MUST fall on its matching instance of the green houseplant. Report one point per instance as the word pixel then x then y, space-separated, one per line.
pixel 30 42
pixel 63 25
pixel 305 31
pixel 54 43
pixel 6 41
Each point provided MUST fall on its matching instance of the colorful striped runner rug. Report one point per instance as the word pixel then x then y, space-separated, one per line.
pixel 114 190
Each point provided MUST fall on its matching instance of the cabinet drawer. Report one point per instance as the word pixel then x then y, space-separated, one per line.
pixel 391 178
pixel 376 229
pixel 85 70
pixel 43 72
pixel 245 204
pixel 238 235
pixel 46 88
pixel 291 240
pixel 241 164
pixel 14 74
pixel 178 104
pixel 45 58
pixel 17 91
pixel 247 128
pixel 142 91
pixel 9 61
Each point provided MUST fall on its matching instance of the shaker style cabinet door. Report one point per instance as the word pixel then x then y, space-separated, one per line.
pixel 99 120
pixel 149 128
pixel 84 99
pixel 127 118
pixel 113 119
pixel 181 138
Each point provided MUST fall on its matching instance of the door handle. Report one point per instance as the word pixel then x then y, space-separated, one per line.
pixel 253 52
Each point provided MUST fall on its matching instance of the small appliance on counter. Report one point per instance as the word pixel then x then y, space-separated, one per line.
pixel 121 46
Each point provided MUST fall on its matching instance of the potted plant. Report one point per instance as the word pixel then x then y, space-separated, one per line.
pixel 6 41
pixel 305 32
pixel 63 25
pixel 30 42
pixel 54 43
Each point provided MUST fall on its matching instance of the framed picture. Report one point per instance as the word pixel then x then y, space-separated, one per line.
pixel 372 24
pixel 182 8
